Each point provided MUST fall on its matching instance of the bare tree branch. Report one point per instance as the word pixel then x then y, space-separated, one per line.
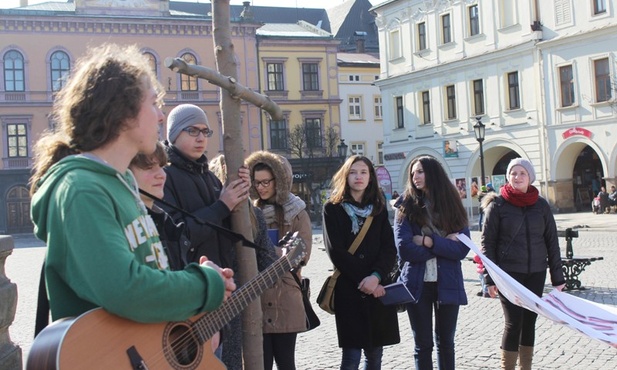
pixel 228 83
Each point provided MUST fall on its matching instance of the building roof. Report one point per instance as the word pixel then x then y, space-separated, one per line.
pixel 357 59
pixel 351 21
pixel 300 29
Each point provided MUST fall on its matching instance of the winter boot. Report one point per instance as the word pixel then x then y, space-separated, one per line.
pixel 508 359
pixel 525 356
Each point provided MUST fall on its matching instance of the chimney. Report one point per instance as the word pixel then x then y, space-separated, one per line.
pixel 360 45
pixel 247 13
pixel 23 3
pixel 360 39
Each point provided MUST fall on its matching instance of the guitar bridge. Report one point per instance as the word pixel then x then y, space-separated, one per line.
pixel 137 362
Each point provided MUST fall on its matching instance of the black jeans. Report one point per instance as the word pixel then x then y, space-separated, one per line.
pixel 520 324
pixel 421 318
pixel 280 348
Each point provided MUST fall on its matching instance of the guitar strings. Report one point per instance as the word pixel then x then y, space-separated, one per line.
pixel 205 327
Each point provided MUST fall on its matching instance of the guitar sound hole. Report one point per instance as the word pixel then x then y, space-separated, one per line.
pixel 184 345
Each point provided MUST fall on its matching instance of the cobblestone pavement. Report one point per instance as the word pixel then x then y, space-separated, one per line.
pixel 480 322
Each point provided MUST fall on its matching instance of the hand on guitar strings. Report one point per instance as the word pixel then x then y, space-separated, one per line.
pixel 227 275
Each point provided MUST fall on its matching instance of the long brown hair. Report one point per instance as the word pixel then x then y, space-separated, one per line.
pixel 372 193
pixel 438 197
pixel 104 92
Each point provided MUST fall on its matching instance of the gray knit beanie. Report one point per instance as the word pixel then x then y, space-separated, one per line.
pixel 526 165
pixel 183 116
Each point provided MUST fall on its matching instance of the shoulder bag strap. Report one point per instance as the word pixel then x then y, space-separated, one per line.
pixel 356 241
pixel 360 237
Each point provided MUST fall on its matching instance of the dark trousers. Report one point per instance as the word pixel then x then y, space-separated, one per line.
pixel 421 318
pixel 520 323
pixel 351 358
pixel 280 348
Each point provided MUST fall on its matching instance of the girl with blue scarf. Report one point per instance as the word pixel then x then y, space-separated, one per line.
pixel 363 323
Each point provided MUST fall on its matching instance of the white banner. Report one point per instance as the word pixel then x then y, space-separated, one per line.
pixel 595 320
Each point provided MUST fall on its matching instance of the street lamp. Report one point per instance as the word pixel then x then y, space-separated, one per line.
pixel 342 149
pixel 479 130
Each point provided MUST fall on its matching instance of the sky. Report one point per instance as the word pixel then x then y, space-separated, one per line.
pixel 288 3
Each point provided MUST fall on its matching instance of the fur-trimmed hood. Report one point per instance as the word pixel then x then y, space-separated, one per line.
pixel 281 169
pixel 488 199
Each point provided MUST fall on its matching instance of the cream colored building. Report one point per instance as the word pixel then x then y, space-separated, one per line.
pixel 537 76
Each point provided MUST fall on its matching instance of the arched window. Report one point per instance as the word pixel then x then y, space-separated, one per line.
pixel 189 83
pixel 60 65
pixel 14 76
pixel 152 62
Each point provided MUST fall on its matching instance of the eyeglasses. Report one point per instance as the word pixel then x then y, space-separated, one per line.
pixel 194 131
pixel 264 183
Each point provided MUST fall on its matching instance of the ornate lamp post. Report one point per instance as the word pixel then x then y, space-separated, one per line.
pixel 342 149
pixel 479 130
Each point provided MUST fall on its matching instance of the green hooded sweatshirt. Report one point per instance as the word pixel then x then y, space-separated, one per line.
pixel 104 250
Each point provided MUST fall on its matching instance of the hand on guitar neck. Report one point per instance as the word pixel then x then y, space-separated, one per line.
pixel 227 275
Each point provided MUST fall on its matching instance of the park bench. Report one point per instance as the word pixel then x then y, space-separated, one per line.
pixel 574 266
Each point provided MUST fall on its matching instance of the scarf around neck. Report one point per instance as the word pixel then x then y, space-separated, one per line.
pixel 291 208
pixel 354 212
pixel 519 199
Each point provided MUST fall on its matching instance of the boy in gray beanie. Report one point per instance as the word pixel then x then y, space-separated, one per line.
pixel 526 165
pixel 183 116
pixel 192 186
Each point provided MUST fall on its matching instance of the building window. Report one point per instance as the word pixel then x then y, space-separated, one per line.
pixel 17 140
pixel 357 149
pixel 400 117
pixel 474 20
pixel 310 76
pixel 451 101
pixel 422 36
pixel 380 152
pixel 313 132
pixel 599 6
pixel 566 80
pixel 59 68
pixel 507 12
pixel 563 12
pixel 189 83
pixel 514 98
pixel 274 72
pixel 354 78
pixel 395 44
pixel 478 97
pixel 426 107
pixel 152 62
pixel 278 134
pixel 377 106
pixel 355 107
pixel 603 80
pixel 446 29
pixel 14 74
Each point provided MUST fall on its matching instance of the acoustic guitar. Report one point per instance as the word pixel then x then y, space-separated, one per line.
pixel 100 340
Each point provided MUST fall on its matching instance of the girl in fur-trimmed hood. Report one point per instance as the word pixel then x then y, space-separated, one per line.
pixel 284 316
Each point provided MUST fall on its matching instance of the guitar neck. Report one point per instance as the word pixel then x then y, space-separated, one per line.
pixel 210 323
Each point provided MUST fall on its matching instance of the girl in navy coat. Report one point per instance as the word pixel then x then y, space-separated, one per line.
pixel 428 217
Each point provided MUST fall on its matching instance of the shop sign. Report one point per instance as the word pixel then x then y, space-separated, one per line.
pixel 576 131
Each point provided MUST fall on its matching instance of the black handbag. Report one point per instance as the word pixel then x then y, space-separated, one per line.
pixel 312 321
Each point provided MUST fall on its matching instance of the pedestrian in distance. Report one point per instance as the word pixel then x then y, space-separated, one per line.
pixel 429 215
pixel 191 185
pixel 86 207
pixel 284 318
pixel 520 236
pixel 363 323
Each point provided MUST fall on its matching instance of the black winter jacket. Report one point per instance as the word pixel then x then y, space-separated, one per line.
pixel 191 186
pixel 521 239
pixel 173 237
